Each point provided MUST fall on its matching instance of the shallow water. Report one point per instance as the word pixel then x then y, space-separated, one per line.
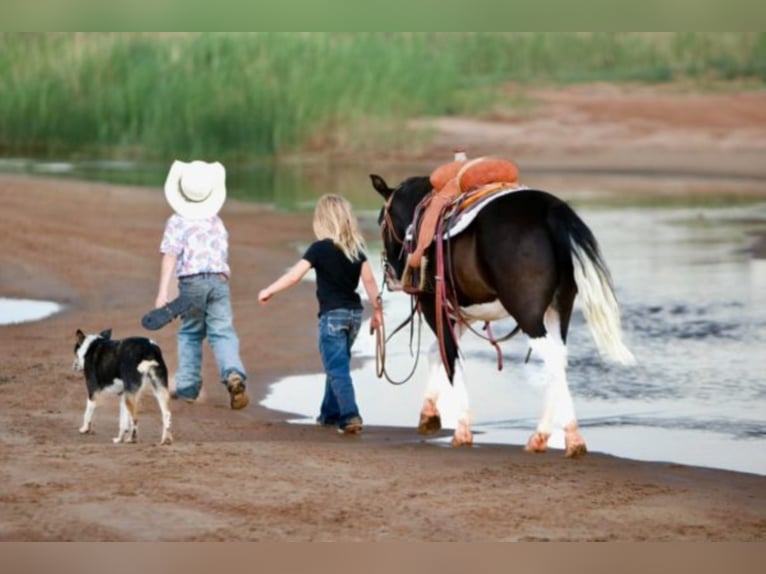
pixel 694 314
pixel 285 187
pixel 22 310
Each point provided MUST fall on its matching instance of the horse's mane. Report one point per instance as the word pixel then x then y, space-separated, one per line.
pixel 415 188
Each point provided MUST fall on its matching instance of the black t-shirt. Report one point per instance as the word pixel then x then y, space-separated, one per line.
pixel 337 277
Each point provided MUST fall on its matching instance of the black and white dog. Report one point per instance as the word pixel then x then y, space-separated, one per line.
pixel 122 367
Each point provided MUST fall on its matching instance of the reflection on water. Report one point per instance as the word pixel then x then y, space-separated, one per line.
pixel 287 187
pixel 23 310
pixel 694 314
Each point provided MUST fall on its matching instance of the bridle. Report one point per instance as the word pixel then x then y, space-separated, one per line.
pixel 389 281
pixel 387 227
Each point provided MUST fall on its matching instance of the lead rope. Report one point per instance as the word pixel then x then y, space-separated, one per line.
pixel 381 340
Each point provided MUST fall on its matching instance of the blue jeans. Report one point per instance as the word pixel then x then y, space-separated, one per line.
pixel 210 316
pixel 337 331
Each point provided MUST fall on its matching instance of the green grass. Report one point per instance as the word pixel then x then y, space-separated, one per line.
pixel 246 96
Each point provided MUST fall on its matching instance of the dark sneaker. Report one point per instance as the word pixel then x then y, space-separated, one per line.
pixel 321 421
pixel 352 426
pixel 235 384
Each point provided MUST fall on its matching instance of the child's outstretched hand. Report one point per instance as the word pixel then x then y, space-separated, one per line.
pixel 263 295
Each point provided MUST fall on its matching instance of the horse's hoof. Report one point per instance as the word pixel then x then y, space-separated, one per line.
pixel 575 445
pixel 457 442
pixel 430 425
pixel 537 443
pixel 576 450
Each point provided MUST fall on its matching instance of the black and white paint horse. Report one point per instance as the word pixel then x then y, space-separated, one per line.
pixel 526 255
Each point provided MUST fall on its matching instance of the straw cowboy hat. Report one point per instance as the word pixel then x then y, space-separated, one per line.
pixel 196 190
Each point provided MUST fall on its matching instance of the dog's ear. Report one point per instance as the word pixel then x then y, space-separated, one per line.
pixel 106 333
pixel 80 336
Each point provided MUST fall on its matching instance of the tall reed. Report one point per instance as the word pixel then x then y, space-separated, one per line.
pixel 263 94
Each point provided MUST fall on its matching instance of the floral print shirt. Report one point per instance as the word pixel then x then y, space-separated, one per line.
pixel 201 245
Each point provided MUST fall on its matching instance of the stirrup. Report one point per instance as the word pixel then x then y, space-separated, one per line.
pixel 414 278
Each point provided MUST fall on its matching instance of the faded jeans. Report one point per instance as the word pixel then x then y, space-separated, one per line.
pixel 210 317
pixel 338 329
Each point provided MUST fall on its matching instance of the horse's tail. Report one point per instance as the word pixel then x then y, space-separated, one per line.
pixel 593 280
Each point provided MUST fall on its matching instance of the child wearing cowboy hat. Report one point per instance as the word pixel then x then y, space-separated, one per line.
pixel 195 249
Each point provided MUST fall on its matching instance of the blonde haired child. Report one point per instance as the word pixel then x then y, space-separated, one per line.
pixel 339 260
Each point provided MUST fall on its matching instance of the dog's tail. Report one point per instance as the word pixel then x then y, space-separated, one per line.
pixel 154 371
pixel 146 367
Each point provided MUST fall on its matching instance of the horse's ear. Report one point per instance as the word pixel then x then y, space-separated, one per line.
pixel 381 186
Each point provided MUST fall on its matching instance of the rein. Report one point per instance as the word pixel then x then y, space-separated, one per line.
pixel 380 333
pixel 380 347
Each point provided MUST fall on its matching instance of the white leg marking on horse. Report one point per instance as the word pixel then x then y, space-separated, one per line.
pixel 558 404
pixel 463 435
pixel 435 372
pixel 430 417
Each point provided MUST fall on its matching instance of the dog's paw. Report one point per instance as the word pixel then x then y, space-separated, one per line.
pixel 86 430
pixel 167 439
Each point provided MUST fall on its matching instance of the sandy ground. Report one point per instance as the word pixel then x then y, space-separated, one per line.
pixel 251 476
